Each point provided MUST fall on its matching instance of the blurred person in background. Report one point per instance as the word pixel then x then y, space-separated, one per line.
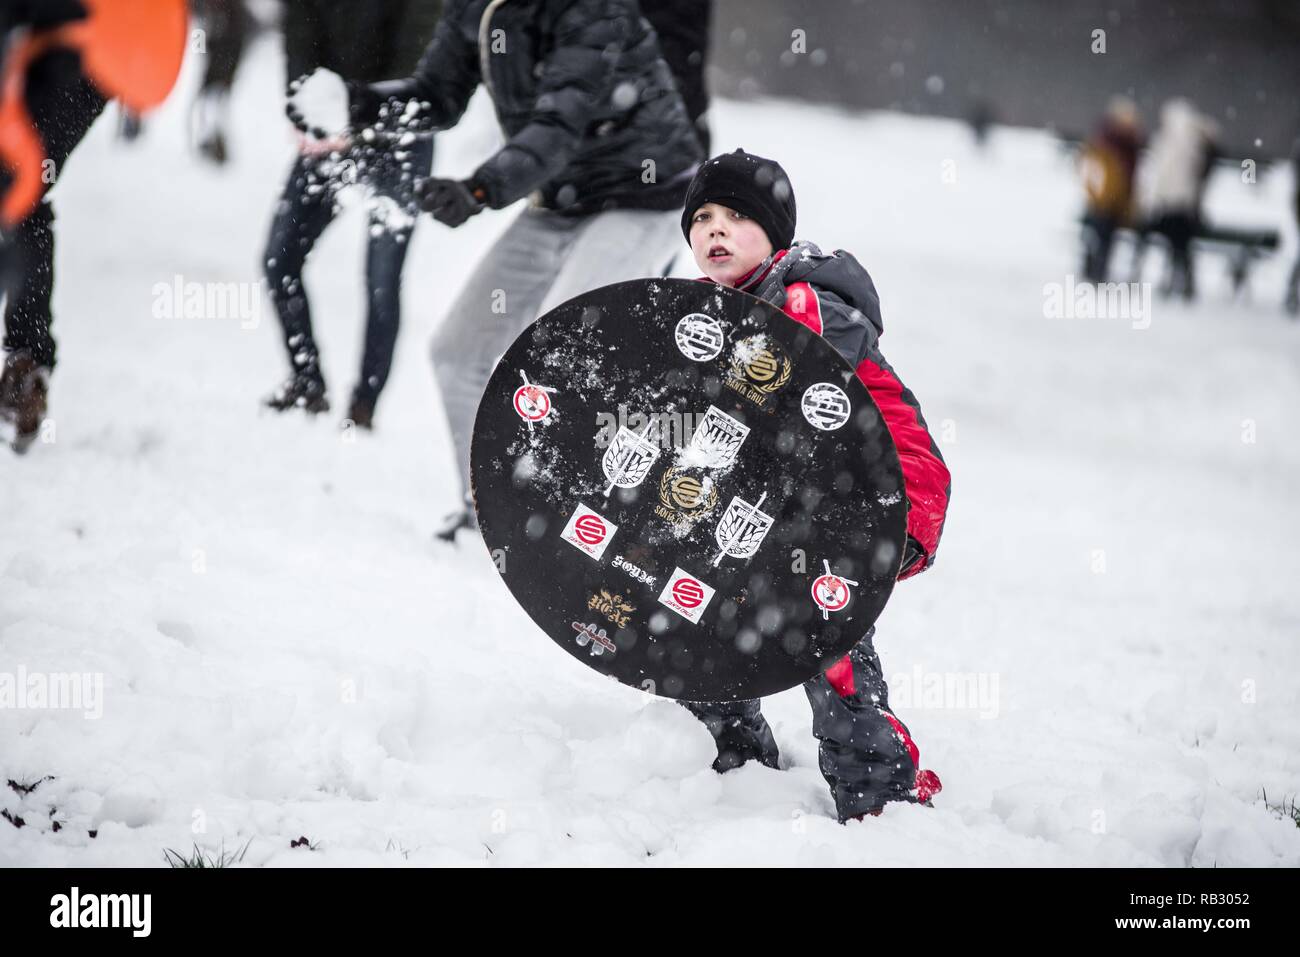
pixel 227 25
pixel 598 135
pixel 63 60
pixel 362 43
pixel 1182 154
pixel 1107 167
pixel 62 104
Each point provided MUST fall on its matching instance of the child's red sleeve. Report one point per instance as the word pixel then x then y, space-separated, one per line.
pixel 925 475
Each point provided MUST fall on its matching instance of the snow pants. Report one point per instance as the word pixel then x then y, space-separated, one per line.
pixel 866 755
pixel 541 260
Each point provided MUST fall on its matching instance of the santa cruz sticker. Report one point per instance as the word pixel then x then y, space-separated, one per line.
pixel 825 406
pixel 588 531
pixel 685 495
pixel 831 592
pixel 699 337
pixel 686 595
pixel 532 402
pixel 759 368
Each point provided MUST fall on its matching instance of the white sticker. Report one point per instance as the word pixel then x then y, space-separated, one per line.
pixel 699 337
pixel 588 531
pixel 686 595
pixel 716 441
pixel 628 459
pixel 826 406
pixel 742 529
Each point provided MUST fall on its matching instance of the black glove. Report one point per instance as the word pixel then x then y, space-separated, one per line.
pixel 913 555
pixel 449 200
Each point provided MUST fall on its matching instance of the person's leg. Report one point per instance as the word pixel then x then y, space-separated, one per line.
pixel 63 106
pixel 1094 269
pixel 1106 244
pixel 615 246
pixel 29 287
pixel 1188 230
pixel 305 208
pixel 1177 228
pixel 385 256
pixel 740 731
pixel 867 755
pixel 502 296
pixel 1293 289
pixel 227 23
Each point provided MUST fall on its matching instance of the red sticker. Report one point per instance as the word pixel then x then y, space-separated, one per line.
pixel 590 529
pixel 831 592
pixel 688 592
pixel 532 403
pixel 686 595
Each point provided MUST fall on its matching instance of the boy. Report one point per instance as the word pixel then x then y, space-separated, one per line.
pixel 739 219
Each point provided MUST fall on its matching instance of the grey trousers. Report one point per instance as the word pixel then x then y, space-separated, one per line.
pixel 540 261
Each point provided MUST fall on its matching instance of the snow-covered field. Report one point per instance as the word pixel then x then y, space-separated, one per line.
pixel 284 651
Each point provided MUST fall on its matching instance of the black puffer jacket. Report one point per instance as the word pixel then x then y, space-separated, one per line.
pixel 683 27
pixel 360 40
pixel 590 109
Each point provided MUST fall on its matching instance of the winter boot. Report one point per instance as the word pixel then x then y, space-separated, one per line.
pixel 740 732
pixel 455 521
pixel 361 411
pixel 303 390
pixel 24 389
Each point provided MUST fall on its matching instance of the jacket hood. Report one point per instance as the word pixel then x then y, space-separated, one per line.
pixel 839 273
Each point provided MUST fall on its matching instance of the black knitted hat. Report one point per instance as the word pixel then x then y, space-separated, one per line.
pixel 749 184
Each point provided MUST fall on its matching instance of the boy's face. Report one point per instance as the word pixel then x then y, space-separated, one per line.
pixel 727 244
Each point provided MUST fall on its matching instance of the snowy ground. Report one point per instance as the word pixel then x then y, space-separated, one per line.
pixel 286 653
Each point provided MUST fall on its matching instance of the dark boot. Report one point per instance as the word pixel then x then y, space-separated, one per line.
pixel 455 521
pixel 304 391
pixel 361 411
pixel 740 732
pixel 24 390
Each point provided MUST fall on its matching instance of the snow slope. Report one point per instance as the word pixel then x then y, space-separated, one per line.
pixel 286 653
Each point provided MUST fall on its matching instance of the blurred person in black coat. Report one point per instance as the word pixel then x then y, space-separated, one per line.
pixel 362 43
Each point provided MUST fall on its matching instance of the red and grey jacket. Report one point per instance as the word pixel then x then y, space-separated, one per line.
pixel 835 297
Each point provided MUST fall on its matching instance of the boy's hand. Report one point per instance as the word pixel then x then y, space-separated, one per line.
pixel 449 200
pixel 318 148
